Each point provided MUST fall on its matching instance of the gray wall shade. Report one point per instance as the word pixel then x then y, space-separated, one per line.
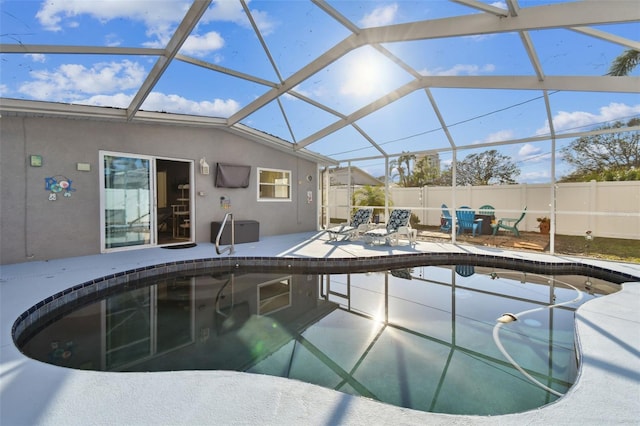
pixel 34 228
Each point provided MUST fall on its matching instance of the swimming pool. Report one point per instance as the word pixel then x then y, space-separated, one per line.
pixel 420 337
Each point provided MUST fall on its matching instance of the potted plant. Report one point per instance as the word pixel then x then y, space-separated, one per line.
pixel 544 223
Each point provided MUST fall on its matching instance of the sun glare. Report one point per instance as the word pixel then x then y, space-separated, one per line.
pixel 365 74
pixel 378 316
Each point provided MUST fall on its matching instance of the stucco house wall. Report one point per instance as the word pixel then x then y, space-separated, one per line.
pixel 34 228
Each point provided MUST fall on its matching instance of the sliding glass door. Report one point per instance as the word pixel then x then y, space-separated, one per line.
pixel 127 200
pixel 145 201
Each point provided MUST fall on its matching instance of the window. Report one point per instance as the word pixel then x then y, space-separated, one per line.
pixel 274 185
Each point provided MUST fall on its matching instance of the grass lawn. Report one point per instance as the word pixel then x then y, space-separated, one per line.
pixel 602 248
pixel 616 249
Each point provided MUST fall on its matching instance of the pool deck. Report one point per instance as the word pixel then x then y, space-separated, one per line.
pixel 34 393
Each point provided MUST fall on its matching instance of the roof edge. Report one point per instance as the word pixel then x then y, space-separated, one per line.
pixel 21 107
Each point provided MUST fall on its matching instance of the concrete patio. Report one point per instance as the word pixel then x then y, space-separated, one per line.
pixel 607 389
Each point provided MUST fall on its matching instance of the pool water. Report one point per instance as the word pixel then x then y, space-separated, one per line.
pixel 425 338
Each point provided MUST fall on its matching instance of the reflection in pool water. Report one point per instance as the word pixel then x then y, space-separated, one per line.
pixel 420 338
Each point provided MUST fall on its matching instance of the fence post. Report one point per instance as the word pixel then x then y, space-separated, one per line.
pixel 424 191
pixel 523 199
pixel 593 202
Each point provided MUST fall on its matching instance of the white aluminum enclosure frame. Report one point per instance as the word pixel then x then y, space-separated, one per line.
pixel 587 18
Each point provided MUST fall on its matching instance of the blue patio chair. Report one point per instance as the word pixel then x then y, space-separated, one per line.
pixel 359 224
pixel 398 225
pixel 446 221
pixel 509 224
pixel 467 221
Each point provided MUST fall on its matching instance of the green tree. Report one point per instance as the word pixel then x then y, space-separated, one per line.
pixel 369 195
pixel 603 176
pixel 624 63
pixel 486 168
pixel 611 156
pixel 444 178
pixel 424 173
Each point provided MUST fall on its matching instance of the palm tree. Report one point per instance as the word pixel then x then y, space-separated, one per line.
pixel 403 166
pixel 395 170
pixel 624 63
pixel 370 196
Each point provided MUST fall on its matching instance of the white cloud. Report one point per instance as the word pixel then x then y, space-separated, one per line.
pixel 159 17
pixel 529 150
pixel 119 100
pixel 177 104
pixel 161 102
pixel 264 22
pixel 54 15
pixel 73 81
pixel 460 69
pixel 499 136
pixel 232 11
pixel 201 45
pixel 226 11
pixel 579 120
pixel 383 15
pixel 105 84
pixel 37 57
pixel 534 154
pixel 160 37
pixel 112 40
pixel 4 90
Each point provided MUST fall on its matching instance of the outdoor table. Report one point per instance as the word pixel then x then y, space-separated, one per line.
pixel 485 229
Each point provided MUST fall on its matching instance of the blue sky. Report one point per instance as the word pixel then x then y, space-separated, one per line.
pixel 295 33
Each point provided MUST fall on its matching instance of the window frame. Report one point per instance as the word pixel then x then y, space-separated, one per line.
pixel 259 183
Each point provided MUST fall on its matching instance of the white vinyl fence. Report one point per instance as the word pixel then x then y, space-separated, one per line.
pixel 608 209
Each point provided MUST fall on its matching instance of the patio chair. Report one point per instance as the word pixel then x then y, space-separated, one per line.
pixel 359 224
pixel 467 221
pixel 397 226
pixel 487 210
pixel 447 221
pixel 465 270
pixel 509 224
